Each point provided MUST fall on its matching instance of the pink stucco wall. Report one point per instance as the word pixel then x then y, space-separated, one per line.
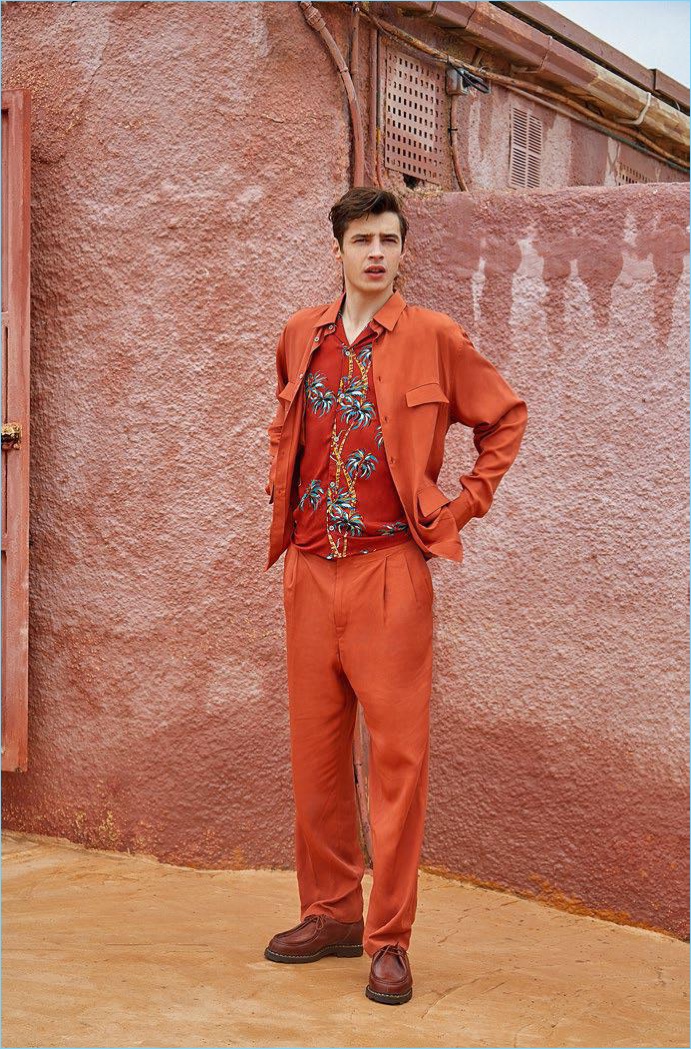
pixel 184 160
pixel 560 764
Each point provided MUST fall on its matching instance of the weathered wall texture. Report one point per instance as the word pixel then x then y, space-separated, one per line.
pixel 184 160
pixel 560 719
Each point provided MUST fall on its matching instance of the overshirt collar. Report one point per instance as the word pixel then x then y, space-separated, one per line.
pixel 386 315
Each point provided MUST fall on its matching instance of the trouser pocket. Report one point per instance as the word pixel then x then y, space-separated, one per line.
pixel 420 575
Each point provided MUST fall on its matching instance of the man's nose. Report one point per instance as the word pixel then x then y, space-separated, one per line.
pixel 376 251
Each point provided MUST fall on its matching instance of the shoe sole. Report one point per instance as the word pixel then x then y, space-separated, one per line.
pixel 341 950
pixel 388 999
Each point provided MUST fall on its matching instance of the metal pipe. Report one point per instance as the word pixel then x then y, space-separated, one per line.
pixel 373 105
pixel 354 57
pixel 453 139
pixel 317 23
pixel 377 155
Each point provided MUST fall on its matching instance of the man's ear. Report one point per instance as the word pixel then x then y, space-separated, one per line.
pixel 335 248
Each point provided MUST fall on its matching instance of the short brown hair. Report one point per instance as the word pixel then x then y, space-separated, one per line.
pixel 365 200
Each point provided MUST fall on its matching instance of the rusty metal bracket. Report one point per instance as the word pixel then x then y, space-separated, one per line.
pixel 11 435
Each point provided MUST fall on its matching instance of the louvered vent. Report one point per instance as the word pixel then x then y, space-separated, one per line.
pixel 415 107
pixel 525 159
pixel 625 175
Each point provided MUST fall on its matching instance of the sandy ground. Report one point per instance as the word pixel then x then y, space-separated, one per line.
pixel 104 949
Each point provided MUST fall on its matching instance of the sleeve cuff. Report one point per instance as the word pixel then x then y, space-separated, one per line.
pixel 462 509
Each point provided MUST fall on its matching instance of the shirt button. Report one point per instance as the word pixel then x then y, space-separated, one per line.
pixel 331 327
pixel 316 338
pixel 300 375
pixel 392 461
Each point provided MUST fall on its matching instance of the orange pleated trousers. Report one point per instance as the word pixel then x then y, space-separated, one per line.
pixel 359 628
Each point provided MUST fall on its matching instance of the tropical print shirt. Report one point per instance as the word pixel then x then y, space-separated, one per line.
pixel 347 502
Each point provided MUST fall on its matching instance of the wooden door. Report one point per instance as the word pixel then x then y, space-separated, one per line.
pixel 16 184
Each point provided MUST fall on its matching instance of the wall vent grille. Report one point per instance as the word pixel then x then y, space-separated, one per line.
pixel 525 153
pixel 625 175
pixel 414 138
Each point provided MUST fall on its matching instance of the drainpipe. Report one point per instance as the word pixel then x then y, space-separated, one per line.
pixel 455 88
pixel 374 104
pixel 317 23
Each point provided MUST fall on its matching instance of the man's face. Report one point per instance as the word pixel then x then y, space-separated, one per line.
pixel 371 253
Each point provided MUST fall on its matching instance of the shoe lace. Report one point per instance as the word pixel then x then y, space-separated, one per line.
pixel 319 919
pixel 395 948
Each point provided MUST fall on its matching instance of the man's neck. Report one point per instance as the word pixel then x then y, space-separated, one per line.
pixel 358 308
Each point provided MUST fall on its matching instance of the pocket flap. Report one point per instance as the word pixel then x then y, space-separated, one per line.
pixel 429 391
pixel 430 498
pixel 288 390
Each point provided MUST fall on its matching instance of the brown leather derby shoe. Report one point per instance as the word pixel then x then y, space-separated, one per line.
pixel 315 937
pixel 390 978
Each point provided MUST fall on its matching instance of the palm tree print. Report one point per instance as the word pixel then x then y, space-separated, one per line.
pixel 319 397
pixel 351 390
pixel 357 413
pixel 360 463
pixel 313 494
pixel 392 529
pixel 351 525
pixel 314 381
pixel 340 503
pixel 338 440
pixel 352 410
pixel 340 509
pixel 365 356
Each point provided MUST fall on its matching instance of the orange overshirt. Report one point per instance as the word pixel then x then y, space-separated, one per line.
pixel 428 376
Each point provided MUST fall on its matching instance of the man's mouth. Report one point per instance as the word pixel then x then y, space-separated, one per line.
pixel 375 270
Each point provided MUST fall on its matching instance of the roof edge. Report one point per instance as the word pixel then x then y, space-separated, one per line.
pixel 579 39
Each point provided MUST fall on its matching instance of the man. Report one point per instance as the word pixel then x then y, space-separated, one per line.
pixel 367 388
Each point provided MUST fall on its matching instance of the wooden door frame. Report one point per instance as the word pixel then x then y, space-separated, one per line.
pixel 16 213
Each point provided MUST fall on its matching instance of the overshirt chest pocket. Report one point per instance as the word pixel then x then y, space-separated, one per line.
pixel 427 393
pixel 288 391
